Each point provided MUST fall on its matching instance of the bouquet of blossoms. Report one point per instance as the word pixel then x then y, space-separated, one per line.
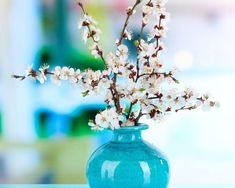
pixel 132 89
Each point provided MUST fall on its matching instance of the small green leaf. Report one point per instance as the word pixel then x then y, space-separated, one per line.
pixel 126 110
pixel 85 93
pixel 177 81
pixel 141 89
pixel 136 43
pixel 91 121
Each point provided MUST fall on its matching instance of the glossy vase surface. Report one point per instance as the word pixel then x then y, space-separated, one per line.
pixel 127 161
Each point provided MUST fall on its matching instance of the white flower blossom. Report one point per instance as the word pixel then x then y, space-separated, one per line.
pixel 96 32
pixel 106 72
pixel 108 118
pixel 94 50
pixel 44 68
pixel 88 20
pixel 41 78
pixel 122 51
pixel 147 9
pixel 65 73
pixel 56 76
pixel 85 35
pixel 145 20
pixel 94 126
pixel 133 91
pixel 28 70
pixel 42 75
pixel 160 3
pixel 155 63
pixel 129 123
pixel 147 69
pixel 130 10
pixel 147 49
pixel 75 76
pixel 128 34
pixel 190 94
pixel 113 62
pixel 166 16
pixel 159 118
pixel 207 105
pixel 90 30
pixel 108 97
pixel 161 32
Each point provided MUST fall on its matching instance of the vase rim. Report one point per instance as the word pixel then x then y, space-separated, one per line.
pixel 138 127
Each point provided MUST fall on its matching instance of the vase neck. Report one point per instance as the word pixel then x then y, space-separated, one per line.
pixel 127 137
pixel 129 134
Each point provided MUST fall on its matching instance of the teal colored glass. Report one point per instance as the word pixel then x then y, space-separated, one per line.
pixel 127 161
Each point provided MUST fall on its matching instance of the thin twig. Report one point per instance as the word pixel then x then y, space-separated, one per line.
pixel 186 108
pixel 137 61
pixel 130 108
pixel 138 117
pixel 165 74
pixel 18 77
pixel 100 52
pixel 127 19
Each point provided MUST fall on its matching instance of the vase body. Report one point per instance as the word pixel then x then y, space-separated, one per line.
pixel 127 161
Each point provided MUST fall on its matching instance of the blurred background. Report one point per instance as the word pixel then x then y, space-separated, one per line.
pixel 44 137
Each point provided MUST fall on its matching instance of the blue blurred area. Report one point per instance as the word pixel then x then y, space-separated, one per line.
pixel 44 132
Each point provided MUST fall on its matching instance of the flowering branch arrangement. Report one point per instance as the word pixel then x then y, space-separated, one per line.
pixel 132 89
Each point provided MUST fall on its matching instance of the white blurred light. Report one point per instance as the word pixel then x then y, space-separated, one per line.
pixel 183 60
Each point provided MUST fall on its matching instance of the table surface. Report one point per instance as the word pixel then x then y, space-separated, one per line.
pixel 85 186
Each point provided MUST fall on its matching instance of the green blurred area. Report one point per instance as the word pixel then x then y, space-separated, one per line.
pixel 48 123
pixel 73 58
pixel 47 161
pixel 79 124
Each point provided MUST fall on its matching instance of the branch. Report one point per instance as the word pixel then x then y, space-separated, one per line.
pixel 138 117
pixel 130 108
pixel 186 108
pixel 137 62
pixel 91 33
pixel 129 13
pixel 117 99
pixel 18 77
pixel 114 98
pixel 165 74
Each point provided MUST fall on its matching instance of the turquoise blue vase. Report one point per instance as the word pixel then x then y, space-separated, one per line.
pixel 127 161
